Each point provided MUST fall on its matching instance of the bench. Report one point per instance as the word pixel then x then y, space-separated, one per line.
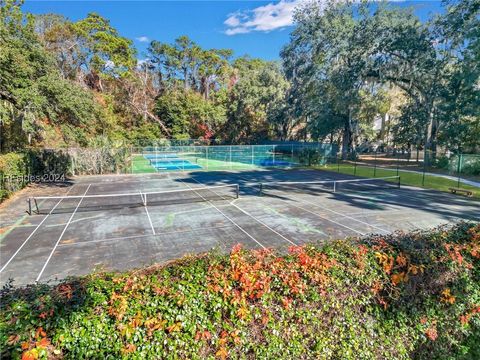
pixel 469 193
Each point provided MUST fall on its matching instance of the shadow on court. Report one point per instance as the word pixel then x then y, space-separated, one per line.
pixel 111 222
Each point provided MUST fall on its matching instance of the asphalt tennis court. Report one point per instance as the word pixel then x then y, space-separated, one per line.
pixel 143 227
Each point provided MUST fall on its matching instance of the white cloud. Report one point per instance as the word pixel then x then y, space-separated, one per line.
pixel 142 39
pixel 263 18
pixel 268 17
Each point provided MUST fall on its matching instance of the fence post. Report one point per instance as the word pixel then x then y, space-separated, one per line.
pixel 398 162
pixel 375 164
pixel 459 169
pixel 355 164
pixel 424 166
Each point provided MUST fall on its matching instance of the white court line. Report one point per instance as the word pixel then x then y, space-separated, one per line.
pixel 143 236
pixel 322 217
pixel 261 222
pixel 33 232
pixel 226 216
pixel 149 219
pixel 99 216
pixel 60 237
pixel 341 214
pixel 254 218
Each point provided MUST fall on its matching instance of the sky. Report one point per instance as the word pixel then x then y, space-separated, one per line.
pixel 257 28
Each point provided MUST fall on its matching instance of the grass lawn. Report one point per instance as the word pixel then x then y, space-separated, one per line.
pixel 406 178
pixel 140 165
pixel 400 296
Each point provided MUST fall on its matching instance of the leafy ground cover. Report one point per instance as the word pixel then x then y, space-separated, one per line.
pixel 407 178
pixel 413 295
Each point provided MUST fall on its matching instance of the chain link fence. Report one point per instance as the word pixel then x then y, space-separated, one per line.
pixel 453 172
pixel 441 170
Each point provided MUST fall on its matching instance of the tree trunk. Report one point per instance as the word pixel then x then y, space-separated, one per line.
pixel 347 136
pixel 431 138
pixel 185 78
pixel 383 126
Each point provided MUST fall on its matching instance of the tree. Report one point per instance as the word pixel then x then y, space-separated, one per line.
pixel 327 61
pixel 189 115
pixel 187 63
pixel 33 94
pixel 459 105
pixel 60 39
pixel 254 100
pixel 104 53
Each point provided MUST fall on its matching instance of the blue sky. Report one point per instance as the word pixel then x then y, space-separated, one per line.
pixel 257 28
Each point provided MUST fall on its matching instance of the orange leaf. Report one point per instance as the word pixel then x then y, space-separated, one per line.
pixel 30 355
pixel 43 315
pixel 129 348
pixel 43 343
pixel 287 302
pixel 447 297
pixel 40 333
pixel 242 312
pixel 401 260
pixel 222 353
pixel 203 335
pixel 431 333
pixel 175 327
pixel 398 278
pixel 13 339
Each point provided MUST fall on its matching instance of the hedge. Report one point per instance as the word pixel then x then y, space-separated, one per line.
pixel 401 296
pixel 13 168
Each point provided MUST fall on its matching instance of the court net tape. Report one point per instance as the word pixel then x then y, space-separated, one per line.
pixel 371 184
pixel 65 204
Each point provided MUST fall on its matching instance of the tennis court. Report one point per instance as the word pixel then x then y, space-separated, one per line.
pixel 223 157
pixel 118 222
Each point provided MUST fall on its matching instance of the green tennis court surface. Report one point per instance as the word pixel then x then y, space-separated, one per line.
pixel 126 221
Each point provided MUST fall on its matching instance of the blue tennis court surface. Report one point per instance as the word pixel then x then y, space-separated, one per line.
pixel 170 161
pixel 218 158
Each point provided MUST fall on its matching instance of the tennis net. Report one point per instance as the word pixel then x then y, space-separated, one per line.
pixel 371 184
pixel 65 204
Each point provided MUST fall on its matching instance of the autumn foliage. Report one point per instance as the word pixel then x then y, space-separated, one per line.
pixel 400 296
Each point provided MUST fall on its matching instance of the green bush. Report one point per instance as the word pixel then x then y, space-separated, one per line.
pixel 399 296
pixel 442 162
pixel 48 161
pixel 13 169
pixel 470 164
pixel 310 157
